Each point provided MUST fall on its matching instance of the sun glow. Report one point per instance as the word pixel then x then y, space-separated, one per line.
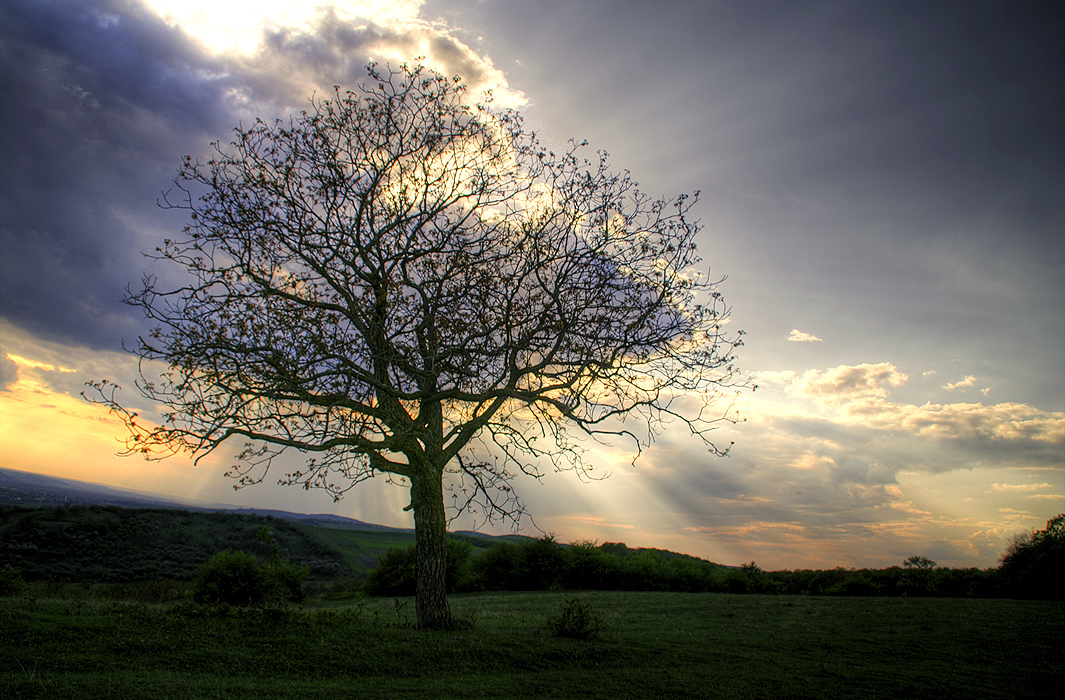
pixel 238 26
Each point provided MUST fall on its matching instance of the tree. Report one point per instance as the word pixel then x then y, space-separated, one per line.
pixel 398 282
pixel 1033 565
pixel 919 563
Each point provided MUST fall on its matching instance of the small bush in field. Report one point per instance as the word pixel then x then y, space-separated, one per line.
pixel 230 578
pixel 575 620
pixel 283 580
pixel 10 580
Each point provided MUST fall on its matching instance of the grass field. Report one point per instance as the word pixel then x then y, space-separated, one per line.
pixel 651 645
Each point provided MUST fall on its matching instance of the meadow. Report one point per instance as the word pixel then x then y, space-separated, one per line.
pixel 647 645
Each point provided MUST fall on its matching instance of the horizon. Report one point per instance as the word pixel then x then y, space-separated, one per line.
pixel 168 502
pixel 880 187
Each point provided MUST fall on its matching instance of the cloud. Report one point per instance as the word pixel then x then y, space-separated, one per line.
pixel 798 336
pixel 112 95
pixel 1020 488
pixel 968 381
pixel 774 377
pixel 853 432
pixel 1010 422
pixel 107 106
pixel 8 370
pixel 335 50
pixel 848 382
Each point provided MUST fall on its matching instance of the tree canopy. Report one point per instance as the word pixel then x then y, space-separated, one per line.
pixel 399 282
pixel 1033 565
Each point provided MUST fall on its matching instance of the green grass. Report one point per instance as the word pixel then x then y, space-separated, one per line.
pixel 652 645
pixel 357 550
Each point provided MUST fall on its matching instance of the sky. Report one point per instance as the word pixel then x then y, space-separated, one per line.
pixel 882 188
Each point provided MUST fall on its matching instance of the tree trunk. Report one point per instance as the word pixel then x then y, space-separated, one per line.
pixel 430 535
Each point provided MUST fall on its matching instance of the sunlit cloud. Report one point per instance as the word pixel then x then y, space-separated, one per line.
pixel 35 364
pixel 968 381
pixel 848 382
pixel 774 377
pixel 1006 421
pixel 8 370
pixel 238 26
pixel 798 336
pixel 292 49
pixel 1031 491
pixel 1021 488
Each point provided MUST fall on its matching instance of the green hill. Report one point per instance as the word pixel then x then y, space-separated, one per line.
pixel 107 544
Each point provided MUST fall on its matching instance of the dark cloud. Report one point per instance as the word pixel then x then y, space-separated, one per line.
pixel 868 165
pixel 101 101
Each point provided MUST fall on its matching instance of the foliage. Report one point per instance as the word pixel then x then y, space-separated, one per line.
pixel 575 619
pixel 10 580
pixel 1033 565
pixel 284 580
pixel 230 578
pixel 239 579
pixel 399 282
pixel 395 574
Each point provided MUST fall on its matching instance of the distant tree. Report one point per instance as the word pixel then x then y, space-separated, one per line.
pixel 398 282
pixel 918 576
pixel 919 563
pixel 1033 565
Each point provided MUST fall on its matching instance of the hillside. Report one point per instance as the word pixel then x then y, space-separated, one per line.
pixel 18 488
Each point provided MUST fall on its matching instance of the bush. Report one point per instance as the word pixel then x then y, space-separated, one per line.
pixel 575 620
pixel 284 582
pixel 230 578
pixel 10 580
pixel 283 579
pixel 396 575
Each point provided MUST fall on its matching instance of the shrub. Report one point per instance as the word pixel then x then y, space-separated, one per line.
pixel 283 580
pixel 230 578
pixel 10 580
pixel 575 620
pixel 395 574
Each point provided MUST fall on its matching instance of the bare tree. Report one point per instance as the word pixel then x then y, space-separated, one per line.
pixel 400 283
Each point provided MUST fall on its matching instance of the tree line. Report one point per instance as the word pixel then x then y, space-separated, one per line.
pixel 1031 567
pixel 110 545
